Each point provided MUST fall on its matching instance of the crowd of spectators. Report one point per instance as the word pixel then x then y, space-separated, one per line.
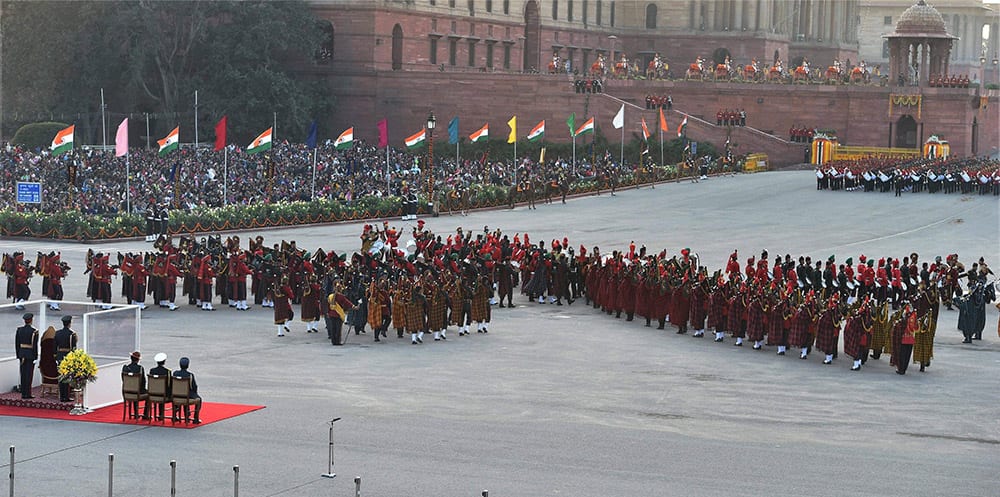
pixel 190 179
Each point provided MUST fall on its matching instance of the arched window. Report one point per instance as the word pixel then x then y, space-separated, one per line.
pixel 397 47
pixel 651 16
pixel 555 10
pixel 506 7
pixel 489 5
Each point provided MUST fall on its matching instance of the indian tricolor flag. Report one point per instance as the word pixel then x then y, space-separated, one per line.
pixel 537 133
pixel 416 140
pixel 63 142
pixel 345 140
pixel 480 134
pixel 261 143
pixel 587 127
pixel 682 126
pixel 171 142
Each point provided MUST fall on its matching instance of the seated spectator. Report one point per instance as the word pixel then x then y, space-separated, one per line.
pixel 184 373
pixel 134 367
pixel 161 370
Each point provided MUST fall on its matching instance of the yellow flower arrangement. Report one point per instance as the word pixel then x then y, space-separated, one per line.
pixel 77 368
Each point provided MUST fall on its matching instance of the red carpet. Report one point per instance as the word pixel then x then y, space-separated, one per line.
pixel 210 413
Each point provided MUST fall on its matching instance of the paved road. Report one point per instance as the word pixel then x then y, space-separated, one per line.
pixel 565 400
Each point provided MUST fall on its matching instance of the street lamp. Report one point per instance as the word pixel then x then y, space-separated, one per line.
pixel 431 123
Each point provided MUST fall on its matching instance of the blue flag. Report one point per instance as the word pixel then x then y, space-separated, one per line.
pixel 311 140
pixel 453 131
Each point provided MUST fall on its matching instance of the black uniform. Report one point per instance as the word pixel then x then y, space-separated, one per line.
pixel 161 370
pixel 65 342
pixel 184 373
pixel 135 368
pixel 26 341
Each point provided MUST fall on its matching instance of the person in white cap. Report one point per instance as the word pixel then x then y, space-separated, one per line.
pixel 160 370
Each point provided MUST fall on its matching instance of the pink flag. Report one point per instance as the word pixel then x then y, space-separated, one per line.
pixel 121 139
pixel 383 133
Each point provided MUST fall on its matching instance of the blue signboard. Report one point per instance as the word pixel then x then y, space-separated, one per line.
pixel 694 148
pixel 29 193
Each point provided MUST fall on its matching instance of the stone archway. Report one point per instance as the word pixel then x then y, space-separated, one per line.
pixel 906 132
pixel 397 47
pixel 532 36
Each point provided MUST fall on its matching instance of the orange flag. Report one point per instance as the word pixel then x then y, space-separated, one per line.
pixel 663 121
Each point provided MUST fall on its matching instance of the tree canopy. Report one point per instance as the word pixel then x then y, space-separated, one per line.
pixel 151 56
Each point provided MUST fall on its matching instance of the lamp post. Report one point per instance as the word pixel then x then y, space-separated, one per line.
pixel 431 123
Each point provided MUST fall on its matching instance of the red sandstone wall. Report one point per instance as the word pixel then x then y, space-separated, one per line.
pixel 859 114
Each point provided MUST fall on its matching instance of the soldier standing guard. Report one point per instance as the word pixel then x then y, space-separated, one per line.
pixel 27 353
pixel 65 343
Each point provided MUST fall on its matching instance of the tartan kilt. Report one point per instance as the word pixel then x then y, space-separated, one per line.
pixel 456 307
pixel 827 336
pixel 717 312
pixel 755 322
pixel 399 306
pixel 734 321
pixel 374 317
pixel 680 309
pixel 777 332
pixel 437 313
pixel 923 346
pixel 798 335
pixel 282 310
pixel 698 309
pixel 415 318
pixel 880 341
pixel 481 307
pixel 854 333
pixel 896 339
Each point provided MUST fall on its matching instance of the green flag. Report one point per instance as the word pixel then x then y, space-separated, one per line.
pixel 571 122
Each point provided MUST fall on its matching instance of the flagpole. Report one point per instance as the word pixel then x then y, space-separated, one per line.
pixel 196 120
pixel 622 160
pixel 661 143
pixel 147 130
pixel 225 175
pixel 387 187
pixel 515 162
pixel 128 198
pixel 574 154
pixel 314 175
pixel 104 125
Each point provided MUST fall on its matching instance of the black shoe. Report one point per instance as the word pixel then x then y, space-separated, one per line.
pixel 827 362
pixel 65 400
pixel 967 340
pixel 922 370
pixel 681 332
pixel 501 305
pixel 756 347
pixel 376 338
pixel 738 344
pixel 781 353
pixel 856 368
pixel 900 372
pixel 718 340
pixel 27 397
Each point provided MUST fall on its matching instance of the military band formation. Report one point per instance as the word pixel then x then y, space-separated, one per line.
pixel 431 282
pixel 968 176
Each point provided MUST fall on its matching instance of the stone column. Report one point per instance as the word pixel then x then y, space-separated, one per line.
pixel 737 7
pixel 710 16
pixel 923 74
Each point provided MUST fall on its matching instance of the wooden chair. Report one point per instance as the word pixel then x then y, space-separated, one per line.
pixel 131 395
pixel 181 396
pixel 158 391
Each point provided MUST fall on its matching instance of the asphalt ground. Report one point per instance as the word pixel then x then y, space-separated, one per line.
pixel 566 400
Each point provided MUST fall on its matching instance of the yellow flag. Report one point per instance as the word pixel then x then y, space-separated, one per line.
pixel 513 130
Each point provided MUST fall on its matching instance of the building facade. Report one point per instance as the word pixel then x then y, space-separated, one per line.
pixel 523 35
pixel 971 53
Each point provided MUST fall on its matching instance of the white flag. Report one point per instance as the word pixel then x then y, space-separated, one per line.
pixel 619 120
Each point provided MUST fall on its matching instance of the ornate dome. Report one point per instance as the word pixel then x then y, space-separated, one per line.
pixel 921 19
